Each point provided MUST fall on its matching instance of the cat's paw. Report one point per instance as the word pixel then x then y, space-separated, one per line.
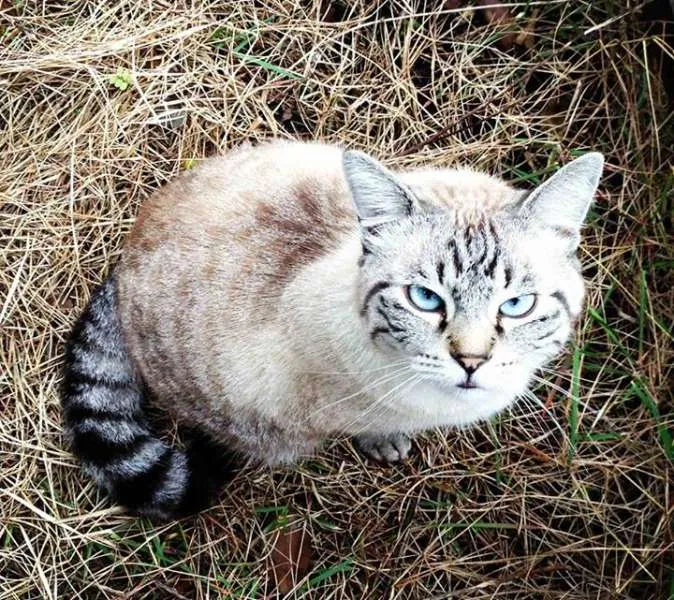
pixel 385 448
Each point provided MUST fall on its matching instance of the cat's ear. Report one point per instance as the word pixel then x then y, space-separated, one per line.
pixel 562 202
pixel 378 196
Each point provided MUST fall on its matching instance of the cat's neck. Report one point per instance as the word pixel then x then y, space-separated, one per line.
pixel 325 307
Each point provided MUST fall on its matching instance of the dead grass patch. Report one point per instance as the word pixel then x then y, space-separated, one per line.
pixel 101 102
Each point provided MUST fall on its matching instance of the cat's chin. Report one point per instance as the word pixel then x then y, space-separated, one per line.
pixel 472 390
pixel 446 403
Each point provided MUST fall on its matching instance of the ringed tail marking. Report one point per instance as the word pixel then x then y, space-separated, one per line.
pixel 104 418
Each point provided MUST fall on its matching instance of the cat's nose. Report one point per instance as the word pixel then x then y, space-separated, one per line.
pixel 470 362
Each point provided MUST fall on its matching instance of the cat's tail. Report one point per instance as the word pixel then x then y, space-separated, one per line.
pixel 103 402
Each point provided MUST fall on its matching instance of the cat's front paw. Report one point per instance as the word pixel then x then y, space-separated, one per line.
pixel 385 448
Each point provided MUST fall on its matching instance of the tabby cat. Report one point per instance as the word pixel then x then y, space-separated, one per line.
pixel 291 292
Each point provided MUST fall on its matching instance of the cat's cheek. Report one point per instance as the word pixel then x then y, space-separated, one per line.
pixel 511 378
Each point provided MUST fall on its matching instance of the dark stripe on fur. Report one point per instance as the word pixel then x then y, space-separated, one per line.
pixel 396 335
pixel 140 489
pixel 498 327
pixel 443 321
pixel 563 301
pixel 494 233
pixel 547 334
pixel 555 343
pixel 210 465
pixel 373 230
pixel 508 276
pixel 89 446
pixel 456 259
pixel 74 414
pixel 379 330
pixel 78 378
pixel 391 326
pixel 485 243
pixel 440 270
pixel 104 417
pixel 375 289
pixel 490 269
pixel 545 318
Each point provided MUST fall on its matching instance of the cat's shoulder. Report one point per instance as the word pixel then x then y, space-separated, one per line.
pixel 274 159
pixel 276 185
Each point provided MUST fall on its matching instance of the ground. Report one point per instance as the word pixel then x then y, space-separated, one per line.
pixel 568 497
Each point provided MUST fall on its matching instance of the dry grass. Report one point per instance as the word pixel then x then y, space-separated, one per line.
pixel 574 502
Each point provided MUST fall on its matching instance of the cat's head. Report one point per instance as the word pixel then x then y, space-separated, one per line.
pixel 476 293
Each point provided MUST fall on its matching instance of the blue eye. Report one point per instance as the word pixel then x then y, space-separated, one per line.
pixel 424 299
pixel 519 307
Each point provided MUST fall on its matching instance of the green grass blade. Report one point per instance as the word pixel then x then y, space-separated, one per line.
pixel 665 435
pixel 345 566
pixel 643 301
pixel 574 394
pixel 267 65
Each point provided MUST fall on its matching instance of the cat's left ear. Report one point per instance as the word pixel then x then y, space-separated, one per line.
pixel 562 202
pixel 378 196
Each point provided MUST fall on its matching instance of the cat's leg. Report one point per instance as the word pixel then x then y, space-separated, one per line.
pixel 392 447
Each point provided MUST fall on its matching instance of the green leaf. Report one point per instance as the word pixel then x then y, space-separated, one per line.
pixel 122 79
pixel 267 65
pixel 602 437
pixel 665 435
pixel 343 567
pixel 476 526
pixel 574 398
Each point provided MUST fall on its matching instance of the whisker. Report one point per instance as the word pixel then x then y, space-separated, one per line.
pixel 532 414
pixel 531 396
pixel 361 372
pixel 551 385
pixel 565 376
pixel 377 403
pixel 380 381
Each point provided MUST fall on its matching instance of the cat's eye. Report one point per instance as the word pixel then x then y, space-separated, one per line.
pixel 424 299
pixel 518 307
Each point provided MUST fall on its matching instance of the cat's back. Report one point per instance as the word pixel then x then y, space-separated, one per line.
pixel 212 252
pixel 224 198
pixel 227 236
pixel 255 215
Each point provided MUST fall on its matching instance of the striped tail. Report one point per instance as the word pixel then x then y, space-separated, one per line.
pixel 103 403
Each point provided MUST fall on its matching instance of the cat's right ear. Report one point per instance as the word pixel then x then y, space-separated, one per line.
pixel 377 194
pixel 562 202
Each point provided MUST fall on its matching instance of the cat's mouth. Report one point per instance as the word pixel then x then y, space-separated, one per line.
pixel 468 385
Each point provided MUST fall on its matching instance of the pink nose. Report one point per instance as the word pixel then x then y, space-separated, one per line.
pixel 470 363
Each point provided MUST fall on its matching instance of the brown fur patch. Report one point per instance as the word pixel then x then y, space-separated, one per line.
pixel 299 234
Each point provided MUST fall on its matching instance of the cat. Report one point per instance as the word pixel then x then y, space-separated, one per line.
pixel 290 292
